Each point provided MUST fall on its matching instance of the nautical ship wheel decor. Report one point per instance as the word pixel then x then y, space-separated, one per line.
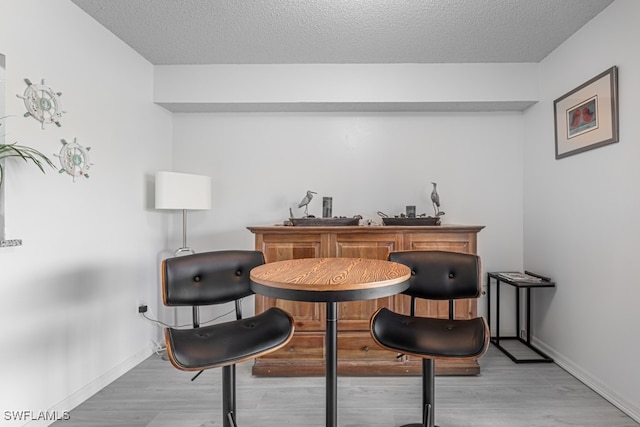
pixel 42 103
pixel 74 159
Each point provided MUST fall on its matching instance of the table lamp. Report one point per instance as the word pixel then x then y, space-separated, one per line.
pixel 182 191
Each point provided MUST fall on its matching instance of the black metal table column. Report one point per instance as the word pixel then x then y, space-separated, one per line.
pixel 331 364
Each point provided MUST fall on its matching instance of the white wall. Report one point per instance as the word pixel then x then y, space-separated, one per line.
pixel 263 163
pixel 91 248
pixel 580 216
pixel 463 84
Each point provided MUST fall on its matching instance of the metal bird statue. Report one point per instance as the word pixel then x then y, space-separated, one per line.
pixel 435 199
pixel 305 202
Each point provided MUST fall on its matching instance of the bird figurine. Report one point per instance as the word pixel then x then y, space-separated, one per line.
pixel 435 199
pixel 305 202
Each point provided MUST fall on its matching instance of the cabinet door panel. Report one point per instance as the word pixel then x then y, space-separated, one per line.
pixel 308 316
pixel 440 246
pixel 355 315
pixel 282 251
pixel 366 245
pixel 455 242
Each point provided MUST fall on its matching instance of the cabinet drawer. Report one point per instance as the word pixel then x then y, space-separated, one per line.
pixel 360 346
pixel 303 346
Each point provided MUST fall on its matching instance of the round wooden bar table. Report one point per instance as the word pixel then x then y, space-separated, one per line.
pixel 330 280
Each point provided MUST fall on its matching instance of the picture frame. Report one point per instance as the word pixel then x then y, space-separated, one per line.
pixel 587 117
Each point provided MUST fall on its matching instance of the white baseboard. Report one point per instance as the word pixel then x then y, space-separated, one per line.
pixel 629 408
pixel 59 410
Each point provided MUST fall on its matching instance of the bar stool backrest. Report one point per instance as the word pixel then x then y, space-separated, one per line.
pixel 440 275
pixel 208 278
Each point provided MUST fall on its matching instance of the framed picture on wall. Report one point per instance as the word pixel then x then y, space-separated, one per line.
pixel 587 117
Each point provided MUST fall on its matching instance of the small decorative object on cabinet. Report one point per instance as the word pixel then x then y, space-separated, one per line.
pixel 325 222
pixel 411 211
pixel 435 199
pixel 305 202
pixel 358 354
pixel 405 220
pixel 327 207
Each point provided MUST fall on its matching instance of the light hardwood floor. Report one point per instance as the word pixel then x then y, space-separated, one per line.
pixel 505 394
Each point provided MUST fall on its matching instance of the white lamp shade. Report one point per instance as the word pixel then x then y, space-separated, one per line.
pixel 182 191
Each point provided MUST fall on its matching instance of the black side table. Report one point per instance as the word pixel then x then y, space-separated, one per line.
pixel 519 281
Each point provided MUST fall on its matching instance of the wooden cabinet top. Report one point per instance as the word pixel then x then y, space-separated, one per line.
pixel 287 229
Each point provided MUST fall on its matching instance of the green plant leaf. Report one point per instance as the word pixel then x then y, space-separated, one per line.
pixel 25 153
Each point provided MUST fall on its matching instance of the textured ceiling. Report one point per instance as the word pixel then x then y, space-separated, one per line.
pixel 342 31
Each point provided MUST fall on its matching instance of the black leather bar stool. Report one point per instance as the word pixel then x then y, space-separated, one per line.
pixel 216 278
pixel 435 275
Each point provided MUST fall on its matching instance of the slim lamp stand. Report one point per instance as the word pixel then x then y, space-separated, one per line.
pixel 184 247
pixel 181 251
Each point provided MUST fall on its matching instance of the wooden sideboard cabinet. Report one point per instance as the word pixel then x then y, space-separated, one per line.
pixel 358 354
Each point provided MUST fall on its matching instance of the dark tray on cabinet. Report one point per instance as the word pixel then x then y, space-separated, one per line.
pixel 324 222
pixel 429 220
